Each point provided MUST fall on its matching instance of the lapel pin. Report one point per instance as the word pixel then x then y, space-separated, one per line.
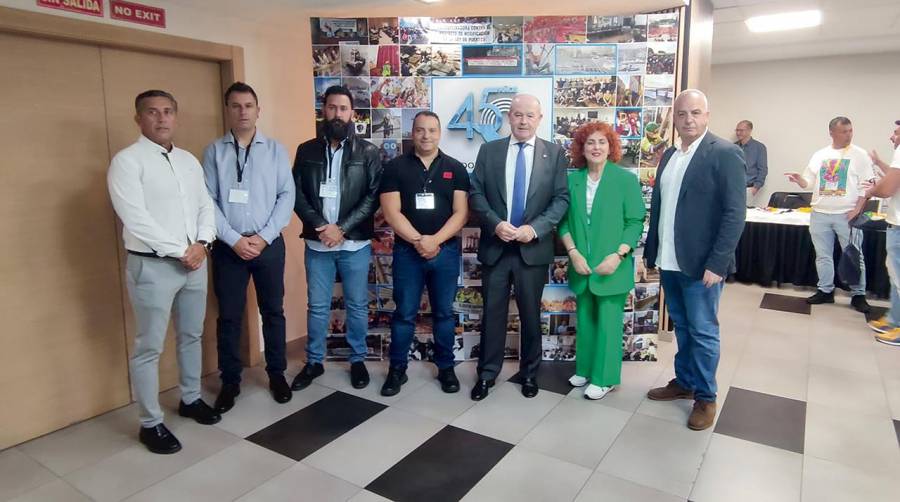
pixel 544 156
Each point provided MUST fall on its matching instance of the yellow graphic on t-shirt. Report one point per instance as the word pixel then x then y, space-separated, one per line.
pixel 833 177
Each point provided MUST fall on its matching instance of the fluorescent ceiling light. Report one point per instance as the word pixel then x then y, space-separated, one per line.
pixel 429 1
pixel 785 21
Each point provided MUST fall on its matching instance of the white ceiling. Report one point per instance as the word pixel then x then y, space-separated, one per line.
pixel 848 27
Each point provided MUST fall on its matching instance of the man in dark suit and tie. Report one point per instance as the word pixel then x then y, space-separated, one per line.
pixel 696 219
pixel 519 193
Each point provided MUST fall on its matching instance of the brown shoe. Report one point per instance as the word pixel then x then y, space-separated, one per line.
pixel 670 392
pixel 702 416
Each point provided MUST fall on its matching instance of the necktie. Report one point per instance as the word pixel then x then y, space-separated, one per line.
pixel 517 215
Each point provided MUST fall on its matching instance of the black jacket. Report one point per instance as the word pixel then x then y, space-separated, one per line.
pixel 710 212
pixel 360 178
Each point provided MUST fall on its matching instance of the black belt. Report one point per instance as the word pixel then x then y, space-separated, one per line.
pixel 152 255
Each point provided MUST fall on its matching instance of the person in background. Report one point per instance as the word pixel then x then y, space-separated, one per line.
pixel 755 156
pixel 888 326
pixel 600 230
pixel 836 174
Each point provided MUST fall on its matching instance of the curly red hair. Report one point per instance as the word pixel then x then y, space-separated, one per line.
pixel 581 135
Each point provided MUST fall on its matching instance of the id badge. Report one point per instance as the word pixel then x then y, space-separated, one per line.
pixel 425 200
pixel 328 190
pixel 238 196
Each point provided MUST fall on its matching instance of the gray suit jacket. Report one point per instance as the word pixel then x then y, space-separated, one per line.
pixel 545 204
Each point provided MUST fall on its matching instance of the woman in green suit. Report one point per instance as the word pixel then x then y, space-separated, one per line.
pixel 600 230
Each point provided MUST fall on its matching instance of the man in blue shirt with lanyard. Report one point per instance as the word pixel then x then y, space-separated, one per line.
pixel 337 177
pixel 248 176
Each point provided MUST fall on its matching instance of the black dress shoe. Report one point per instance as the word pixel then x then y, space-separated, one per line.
pixel 225 399
pixel 449 382
pixel 309 372
pixel 396 377
pixel 359 375
pixel 281 391
pixel 529 387
pixel 860 304
pixel 200 412
pixel 158 439
pixel 820 297
pixel 480 391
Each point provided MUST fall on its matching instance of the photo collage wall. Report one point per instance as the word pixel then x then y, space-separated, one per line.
pixel 616 69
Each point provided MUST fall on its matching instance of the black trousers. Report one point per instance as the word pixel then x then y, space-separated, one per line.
pixel 528 281
pixel 231 275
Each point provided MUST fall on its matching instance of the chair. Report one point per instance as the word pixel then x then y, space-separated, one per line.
pixel 790 200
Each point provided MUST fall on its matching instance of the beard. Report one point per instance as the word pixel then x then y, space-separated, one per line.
pixel 335 129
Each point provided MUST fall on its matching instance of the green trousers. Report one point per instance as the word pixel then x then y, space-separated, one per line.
pixel 598 342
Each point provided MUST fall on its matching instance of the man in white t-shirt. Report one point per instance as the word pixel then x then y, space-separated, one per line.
pixel 888 327
pixel 836 174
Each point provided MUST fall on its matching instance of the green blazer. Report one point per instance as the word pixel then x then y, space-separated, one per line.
pixel 617 217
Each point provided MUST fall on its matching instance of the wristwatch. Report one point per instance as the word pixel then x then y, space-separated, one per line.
pixel 207 245
pixel 622 255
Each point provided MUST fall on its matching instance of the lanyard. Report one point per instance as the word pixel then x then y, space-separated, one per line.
pixel 237 157
pixel 330 155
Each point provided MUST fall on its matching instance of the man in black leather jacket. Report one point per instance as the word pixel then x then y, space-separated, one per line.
pixel 337 177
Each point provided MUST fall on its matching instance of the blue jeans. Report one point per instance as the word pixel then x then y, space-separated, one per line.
pixel 822 229
pixel 411 273
pixel 694 309
pixel 320 269
pixel 893 266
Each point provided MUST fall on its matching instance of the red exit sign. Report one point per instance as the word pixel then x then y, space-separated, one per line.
pixel 137 13
pixel 89 7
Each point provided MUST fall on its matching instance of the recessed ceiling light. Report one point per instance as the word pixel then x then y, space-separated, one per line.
pixel 785 21
pixel 429 1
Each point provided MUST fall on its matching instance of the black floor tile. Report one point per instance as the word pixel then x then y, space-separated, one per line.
pixel 552 376
pixel 443 468
pixel 785 303
pixel 876 313
pixel 301 434
pixel 763 418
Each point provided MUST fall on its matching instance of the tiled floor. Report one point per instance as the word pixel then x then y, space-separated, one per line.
pixel 809 410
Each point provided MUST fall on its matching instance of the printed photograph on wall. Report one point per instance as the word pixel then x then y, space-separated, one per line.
pixel 659 90
pixel 507 29
pixel 540 59
pixel 617 29
pixel 329 30
pixel 326 60
pixel 657 130
pixel 661 58
pixel 384 30
pixel 662 27
pixel 386 123
pixel 384 60
pixel 628 122
pixel 579 59
pixel 555 29
pixel 629 90
pixel 632 58
pixel 492 59
pixel 585 92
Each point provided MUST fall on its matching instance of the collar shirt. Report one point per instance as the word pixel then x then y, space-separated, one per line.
pixel 331 206
pixel 263 200
pixel 511 155
pixel 161 198
pixel 670 188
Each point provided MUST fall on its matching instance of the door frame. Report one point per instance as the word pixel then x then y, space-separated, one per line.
pixel 230 59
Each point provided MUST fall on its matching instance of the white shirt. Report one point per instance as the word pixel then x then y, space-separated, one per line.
pixel 591 192
pixel 163 203
pixel 670 188
pixel 331 206
pixel 511 154
pixel 835 175
pixel 893 212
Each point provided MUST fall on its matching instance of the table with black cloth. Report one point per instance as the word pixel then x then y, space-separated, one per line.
pixel 776 248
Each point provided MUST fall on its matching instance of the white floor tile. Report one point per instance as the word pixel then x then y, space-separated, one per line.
pixel 370 449
pixel 507 415
pixel 852 439
pixel 523 475
pixel 55 491
pixel 737 470
pixel 19 474
pixel 606 488
pixel 825 481
pixel 222 476
pixel 577 431
pixel 658 454
pixel 855 392
pixel 256 411
pixel 302 483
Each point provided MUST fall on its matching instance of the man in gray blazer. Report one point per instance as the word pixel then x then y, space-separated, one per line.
pixel 697 216
pixel 519 193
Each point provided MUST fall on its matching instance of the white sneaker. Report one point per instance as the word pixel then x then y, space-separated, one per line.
pixel 577 381
pixel 595 392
